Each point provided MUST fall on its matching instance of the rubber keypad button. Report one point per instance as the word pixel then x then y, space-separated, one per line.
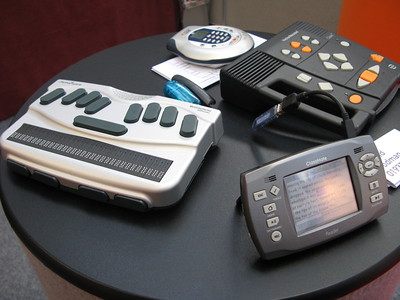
pixel 369 76
pixel 330 66
pixel 375 69
pixel 152 112
pixel 97 105
pixel 46 179
pixel 346 66
pixel 324 56
pixel 92 193
pixel 52 96
pixel 340 57
pixel 89 98
pixel 169 116
pixel 377 58
pixel 355 98
pixel 295 44
pixel 75 95
pixel 189 126
pixel 128 202
pixel 100 125
pixel 18 168
pixel 133 113
pixel 362 83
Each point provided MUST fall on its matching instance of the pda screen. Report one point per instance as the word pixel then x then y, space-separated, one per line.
pixel 320 195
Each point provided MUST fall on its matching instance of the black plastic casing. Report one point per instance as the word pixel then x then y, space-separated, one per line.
pixel 264 76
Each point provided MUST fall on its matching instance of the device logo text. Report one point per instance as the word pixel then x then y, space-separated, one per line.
pixel 332 232
pixel 290 36
pixel 316 161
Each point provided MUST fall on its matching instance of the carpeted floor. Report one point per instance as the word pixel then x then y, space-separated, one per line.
pixel 17 278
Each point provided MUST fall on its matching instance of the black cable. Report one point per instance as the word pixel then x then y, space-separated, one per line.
pixel 292 102
pixel 347 123
pixel 305 95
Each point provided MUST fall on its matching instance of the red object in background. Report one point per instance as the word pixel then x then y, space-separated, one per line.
pixel 373 24
pixel 41 38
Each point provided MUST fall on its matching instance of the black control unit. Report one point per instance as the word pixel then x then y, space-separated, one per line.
pixel 305 57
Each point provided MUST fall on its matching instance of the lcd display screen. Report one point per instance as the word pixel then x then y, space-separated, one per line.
pixel 198 35
pixel 321 194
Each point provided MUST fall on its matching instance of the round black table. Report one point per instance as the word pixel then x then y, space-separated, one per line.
pixel 200 248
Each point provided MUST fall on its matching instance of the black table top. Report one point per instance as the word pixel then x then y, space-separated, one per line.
pixel 200 248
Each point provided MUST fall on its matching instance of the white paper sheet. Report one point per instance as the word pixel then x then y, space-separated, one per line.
pixel 389 150
pixel 202 76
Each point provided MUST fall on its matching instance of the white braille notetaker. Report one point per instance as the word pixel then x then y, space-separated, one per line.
pixel 130 150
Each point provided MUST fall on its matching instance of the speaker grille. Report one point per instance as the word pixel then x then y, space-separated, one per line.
pixel 358 149
pixel 312 29
pixel 255 68
pixel 270 179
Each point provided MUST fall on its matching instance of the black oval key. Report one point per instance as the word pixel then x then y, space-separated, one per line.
pixel 75 95
pixel 52 96
pixel 133 113
pixel 168 117
pixel 100 125
pixel 97 105
pixel 89 98
pixel 189 126
pixel 152 112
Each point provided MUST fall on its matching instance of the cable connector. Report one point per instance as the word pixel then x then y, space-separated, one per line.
pixel 348 128
pixel 289 103
pixel 265 118
pixel 292 102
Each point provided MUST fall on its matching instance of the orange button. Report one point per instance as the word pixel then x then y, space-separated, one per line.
pixel 295 44
pixel 369 76
pixel 306 49
pixel 376 57
pixel 355 98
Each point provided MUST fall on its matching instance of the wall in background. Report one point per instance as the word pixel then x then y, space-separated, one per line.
pixel 275 15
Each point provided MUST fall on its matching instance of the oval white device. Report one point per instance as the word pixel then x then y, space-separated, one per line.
pixel 212 46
